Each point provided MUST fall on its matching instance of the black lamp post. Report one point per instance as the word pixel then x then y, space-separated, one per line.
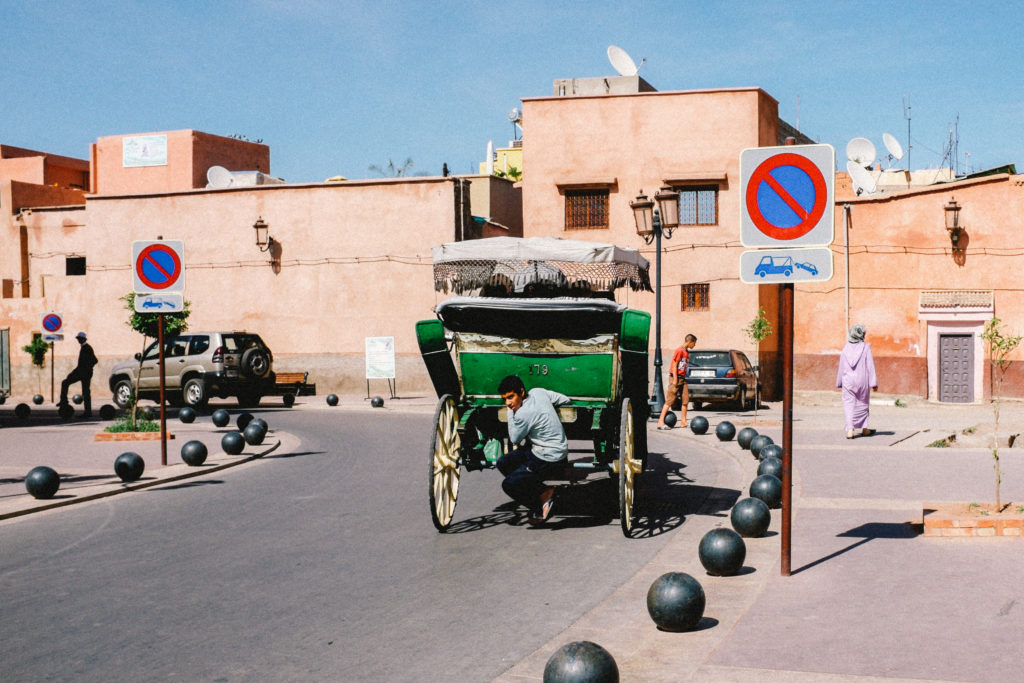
pixel 651 223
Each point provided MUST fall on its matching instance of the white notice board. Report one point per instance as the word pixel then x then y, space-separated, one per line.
pixel 380 358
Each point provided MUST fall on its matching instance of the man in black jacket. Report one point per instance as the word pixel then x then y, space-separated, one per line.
pixel 82 373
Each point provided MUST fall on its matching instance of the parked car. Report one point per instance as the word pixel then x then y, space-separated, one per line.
pixel 198 365
pixel 716 375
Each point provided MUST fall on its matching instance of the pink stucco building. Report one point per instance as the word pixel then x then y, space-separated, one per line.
pixel 351 259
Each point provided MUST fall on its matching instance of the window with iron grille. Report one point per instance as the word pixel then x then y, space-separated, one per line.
pixel 696 297
pixel 586 209
pixel 698 205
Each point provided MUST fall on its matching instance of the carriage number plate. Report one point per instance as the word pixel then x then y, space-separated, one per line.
pixel 702 373
pixel 538 369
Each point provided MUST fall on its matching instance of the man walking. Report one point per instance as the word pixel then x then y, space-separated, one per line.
pixel 82 373
pixel 677 381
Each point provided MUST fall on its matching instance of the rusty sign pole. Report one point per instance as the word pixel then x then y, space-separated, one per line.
pixel 53 363
pixel 787 423
pixel 163 413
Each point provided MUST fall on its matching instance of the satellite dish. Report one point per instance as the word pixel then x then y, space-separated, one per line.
pixel 893 145
pixel 218 177
pixel 621 61
pixel 863 182
pixel 861 150
pixel 514 116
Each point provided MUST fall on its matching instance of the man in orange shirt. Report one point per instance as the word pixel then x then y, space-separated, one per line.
pixel 677 381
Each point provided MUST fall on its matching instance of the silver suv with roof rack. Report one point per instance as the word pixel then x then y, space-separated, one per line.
pixel 198 366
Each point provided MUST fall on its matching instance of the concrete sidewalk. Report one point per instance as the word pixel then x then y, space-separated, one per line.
pixel 869 597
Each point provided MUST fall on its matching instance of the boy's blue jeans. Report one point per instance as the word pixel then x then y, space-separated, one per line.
pixel 524 476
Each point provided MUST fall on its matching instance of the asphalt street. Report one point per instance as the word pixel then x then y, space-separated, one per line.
pixel 322 564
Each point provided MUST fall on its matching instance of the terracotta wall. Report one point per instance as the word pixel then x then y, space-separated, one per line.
pixel 898 248
pixel 354 262
pixel 640 142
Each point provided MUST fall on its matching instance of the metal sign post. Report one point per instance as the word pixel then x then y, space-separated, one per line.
pixel 159 267
pixel 786 215
pixel 163 411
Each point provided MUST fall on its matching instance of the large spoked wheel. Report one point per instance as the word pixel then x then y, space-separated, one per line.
pixel 629 467
pixel 445 445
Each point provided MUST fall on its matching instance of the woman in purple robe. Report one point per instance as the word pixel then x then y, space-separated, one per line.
pixel 856 378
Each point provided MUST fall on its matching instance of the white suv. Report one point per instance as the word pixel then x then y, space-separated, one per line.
pixel 198 365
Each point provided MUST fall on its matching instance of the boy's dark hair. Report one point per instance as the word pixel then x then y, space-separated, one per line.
pixel 511 384
pixel 691 338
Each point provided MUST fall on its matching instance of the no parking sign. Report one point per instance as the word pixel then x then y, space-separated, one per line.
pixel 786 196
pixel 158 266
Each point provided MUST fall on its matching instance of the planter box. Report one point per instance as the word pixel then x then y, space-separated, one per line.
pixel 966 520
pixel 130 436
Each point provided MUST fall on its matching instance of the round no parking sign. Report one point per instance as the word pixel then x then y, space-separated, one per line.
pixel 158 266
pixel 787 196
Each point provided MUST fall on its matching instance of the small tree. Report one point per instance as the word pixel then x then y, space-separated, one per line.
pixel 1000 345
pixel 37 349
pixel 148 325
pixel 757 331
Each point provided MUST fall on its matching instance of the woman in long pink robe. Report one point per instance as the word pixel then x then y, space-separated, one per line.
pixel 856 378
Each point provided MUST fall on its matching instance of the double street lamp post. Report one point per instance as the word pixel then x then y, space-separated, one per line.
pixel 651 223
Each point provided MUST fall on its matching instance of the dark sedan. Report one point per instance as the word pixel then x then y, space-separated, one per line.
pixel 721 376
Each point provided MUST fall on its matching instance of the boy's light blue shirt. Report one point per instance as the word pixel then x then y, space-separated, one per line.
pixel 538 420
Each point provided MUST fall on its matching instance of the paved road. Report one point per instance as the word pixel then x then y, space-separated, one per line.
pixel 322 564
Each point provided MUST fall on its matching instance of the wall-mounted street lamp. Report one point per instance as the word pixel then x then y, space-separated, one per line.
pixel 651 224
pixel 953 222
pixel 263 239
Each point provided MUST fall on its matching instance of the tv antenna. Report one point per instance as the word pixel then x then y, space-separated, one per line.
pixel 906 115
pixel 622 62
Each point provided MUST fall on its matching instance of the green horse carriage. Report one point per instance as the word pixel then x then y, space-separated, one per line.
pixel 542 309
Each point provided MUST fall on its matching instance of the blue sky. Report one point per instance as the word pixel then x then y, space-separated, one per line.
pixel 334 87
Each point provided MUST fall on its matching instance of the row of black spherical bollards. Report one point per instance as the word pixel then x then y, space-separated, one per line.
pixel 759 442
pixel 38 399
pixel 581 662
pixel 699 425
pixel 768 488
pixel 194 453
pixel 22 411
pixel 76 399
pixel 187 415
pixel 42 482
pixel 722 552
pixel 107 412
pixel 220 418
pixel 243 420
pixel 772 450
pixel 232 443
pixel 255 431
pixel 670 419
pixel 750 517
pixel 725 431
pixel 332 400
pixel 676 601
pixel 288 400
pixel 771 466
pixel 65 412
pixel 129 466
pixel 744 437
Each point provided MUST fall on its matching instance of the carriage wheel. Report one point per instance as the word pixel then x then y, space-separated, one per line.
pixel 444 463
pixel 629 467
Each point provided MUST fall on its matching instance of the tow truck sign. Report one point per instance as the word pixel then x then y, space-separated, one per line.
pixel 763 266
